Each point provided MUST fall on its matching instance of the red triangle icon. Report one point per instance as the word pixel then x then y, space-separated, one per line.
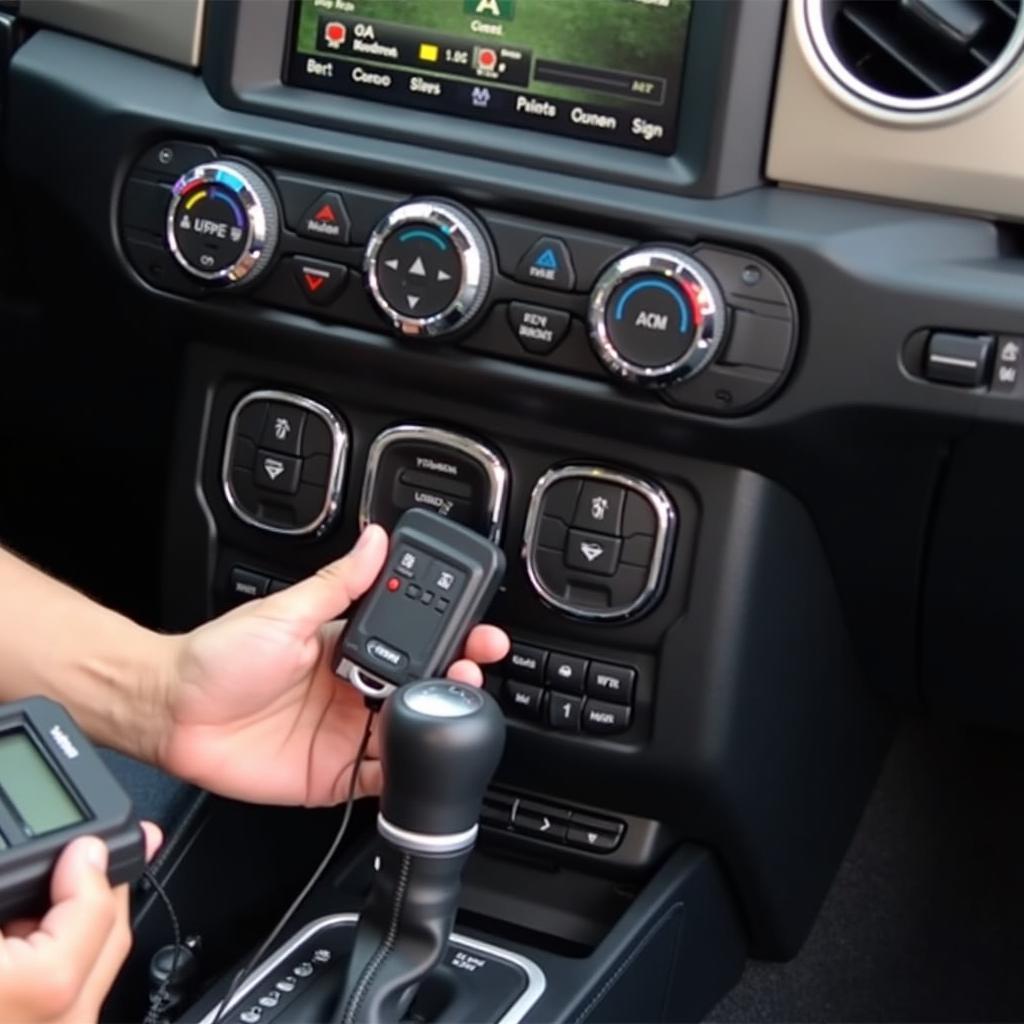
pixel 325 213
pixel 313 281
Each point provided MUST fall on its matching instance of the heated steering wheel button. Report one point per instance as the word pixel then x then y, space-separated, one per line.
pixel 326 220
pixel 600 508
pixel 319 280
pixel 592 553
pixel 282 430
pixel 538 328
pixel 276 472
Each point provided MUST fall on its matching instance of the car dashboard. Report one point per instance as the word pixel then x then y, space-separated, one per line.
pixel 705 312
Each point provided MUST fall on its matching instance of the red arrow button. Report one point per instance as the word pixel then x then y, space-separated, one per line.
pixel 313 281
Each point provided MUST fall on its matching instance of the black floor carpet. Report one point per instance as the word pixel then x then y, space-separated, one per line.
pixel 925 920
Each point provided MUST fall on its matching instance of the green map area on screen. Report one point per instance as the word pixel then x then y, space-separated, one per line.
pixel 643 37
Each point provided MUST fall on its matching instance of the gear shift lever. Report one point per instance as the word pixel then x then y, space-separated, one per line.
pixel 440 744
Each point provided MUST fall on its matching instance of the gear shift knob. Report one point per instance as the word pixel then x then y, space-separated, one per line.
pixel 440 744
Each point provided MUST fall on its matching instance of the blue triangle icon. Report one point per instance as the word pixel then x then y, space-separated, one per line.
pixel 547 260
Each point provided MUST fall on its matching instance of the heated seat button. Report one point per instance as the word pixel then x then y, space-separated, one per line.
pixel 566 673
pixel 523 700
pixel 526 664
pixel 326 220
pixel 319 280
pixel 538 328
pixel 592 552
pixel 564 712
pixel 601 717
pixel 282 429
pixel 548 264
pixel 611 682
pixel 600 508
pixel 275 472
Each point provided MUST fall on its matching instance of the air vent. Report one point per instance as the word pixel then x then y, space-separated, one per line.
pixel 916 56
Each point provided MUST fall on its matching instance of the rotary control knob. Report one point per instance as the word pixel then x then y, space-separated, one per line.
pixel 428 267
pixel 222 224
pixel 656 316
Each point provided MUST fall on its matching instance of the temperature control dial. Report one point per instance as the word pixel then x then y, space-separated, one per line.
pixel 222 224
pixel 656 316
pixel 428 267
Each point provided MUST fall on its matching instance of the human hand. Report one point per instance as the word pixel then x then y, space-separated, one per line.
pixel 252 707
pixel 60 968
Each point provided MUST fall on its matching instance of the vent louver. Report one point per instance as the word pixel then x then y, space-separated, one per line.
pixel 916 55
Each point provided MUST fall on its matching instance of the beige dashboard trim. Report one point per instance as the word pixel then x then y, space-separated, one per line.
pixel 973 163
pixel 170 30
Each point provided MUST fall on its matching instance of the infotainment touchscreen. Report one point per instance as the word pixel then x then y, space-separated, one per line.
pixel 604 70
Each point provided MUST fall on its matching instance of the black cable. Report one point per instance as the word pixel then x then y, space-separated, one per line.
pixel 307 888
pixel 154 1014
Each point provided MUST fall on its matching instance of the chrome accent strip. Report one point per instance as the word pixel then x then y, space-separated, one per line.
pixel 365 682
pixel 335 480
pixel 694 279
pixel 536 981
pixel 493 465
pixel 423 842
pixel 665 515
pixel 474 255
pixel 814 40
pixel 170 30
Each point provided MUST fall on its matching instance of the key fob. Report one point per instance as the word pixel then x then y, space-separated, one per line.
pixel 436 585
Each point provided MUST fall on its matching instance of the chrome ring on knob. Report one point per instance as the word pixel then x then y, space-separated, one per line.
pixel 705 299
pixel 474 256
pixel 256 201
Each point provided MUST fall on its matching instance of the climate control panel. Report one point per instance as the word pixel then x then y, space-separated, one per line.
pixel 699 327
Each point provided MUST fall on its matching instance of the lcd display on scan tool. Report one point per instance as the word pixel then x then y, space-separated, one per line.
pixel 32 788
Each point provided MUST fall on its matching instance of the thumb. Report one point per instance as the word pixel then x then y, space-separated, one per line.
pixel 82 867
pixel 314 601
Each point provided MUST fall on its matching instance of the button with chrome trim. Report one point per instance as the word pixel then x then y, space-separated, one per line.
pixel 656 316
pixel 222 222
pixel 586 574
pixel 428 267
pixel 292 494
pixel 414 466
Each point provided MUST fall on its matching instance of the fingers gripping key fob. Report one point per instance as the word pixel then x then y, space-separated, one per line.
pixel 436 585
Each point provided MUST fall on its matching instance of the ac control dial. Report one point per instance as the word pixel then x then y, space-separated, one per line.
pixel 223 222
pixel 428 266
pixel 656 316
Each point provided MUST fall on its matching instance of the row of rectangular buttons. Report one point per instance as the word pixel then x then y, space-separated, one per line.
pixel 564 712
pixel 245 585
pixel 552 823
pixel 569 674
